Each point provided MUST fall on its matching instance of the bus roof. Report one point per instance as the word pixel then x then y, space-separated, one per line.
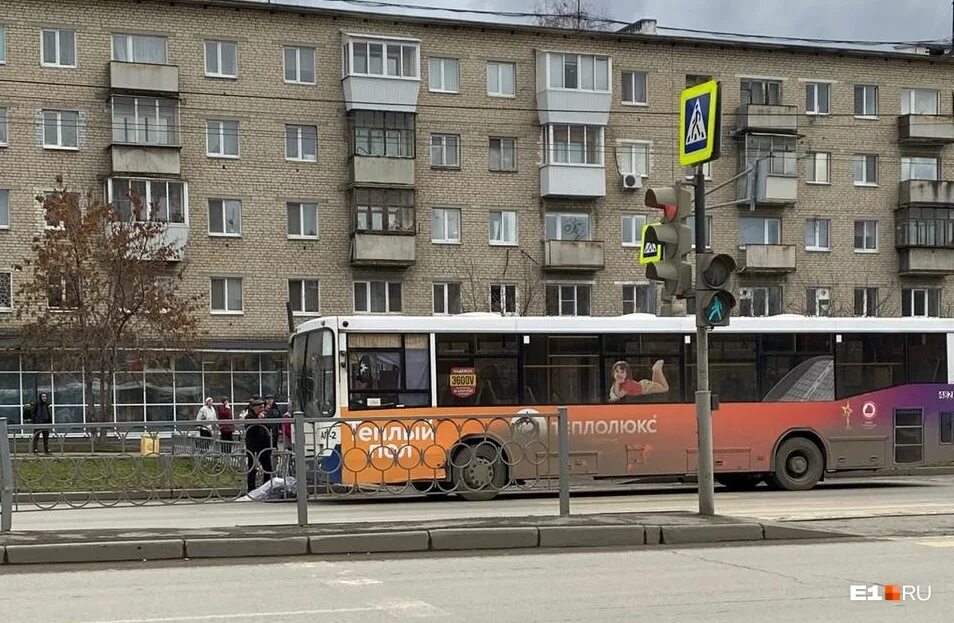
pixel 633 323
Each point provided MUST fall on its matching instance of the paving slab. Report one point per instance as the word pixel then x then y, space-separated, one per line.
pixel 110 551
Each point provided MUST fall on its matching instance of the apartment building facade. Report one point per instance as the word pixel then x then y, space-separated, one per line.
pixel 358 163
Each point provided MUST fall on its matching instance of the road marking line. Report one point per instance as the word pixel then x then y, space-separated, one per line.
pixel 938 542
pixel 416 609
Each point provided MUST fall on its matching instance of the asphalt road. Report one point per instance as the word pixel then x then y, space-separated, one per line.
pixel 778 583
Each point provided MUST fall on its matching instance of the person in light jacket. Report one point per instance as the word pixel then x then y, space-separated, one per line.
pixel 206 414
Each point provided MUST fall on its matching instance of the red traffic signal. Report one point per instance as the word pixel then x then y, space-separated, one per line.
pixel 674 201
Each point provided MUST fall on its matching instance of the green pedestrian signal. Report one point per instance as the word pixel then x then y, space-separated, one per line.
pixel 716 302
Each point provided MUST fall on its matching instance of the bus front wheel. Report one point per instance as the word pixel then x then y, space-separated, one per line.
pixel 799 465
pixel 478 472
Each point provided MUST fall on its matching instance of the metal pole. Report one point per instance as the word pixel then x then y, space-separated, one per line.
pixel 6 479
pixel 563 442
pixel 703 396
pixel 301 484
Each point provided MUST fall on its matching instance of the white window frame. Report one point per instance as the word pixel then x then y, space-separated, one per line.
pixel 550 151
pixel 629 149
pixel 301 220
pixel 443 237
pixel 575 299
pixel 226 311
pixel 909 98
pixel 632 289
pixel 865 113
pixel 501 140
pixel 558 218
pixel 4 128
pixel 299 49
pixel 301 302
pixel 445 151
pixel 814 88
pixel 632 224
pixel 551 57
pixel 9 278
pixel 59 130
pixel 498 67
pixel 864 237
pixel 4 208
pixel 865 181
pixel 444 63
pixel 444 287
pixel 387 296
pixel 57 52
pixel 908 163
pixel 812 168
pixel 915 291
pixel 3 44
pixel 297 127
pixel 765 230
pixel 142 115
pixel 690 172
pixel 504 299
pixel 504 216
pixel 129 47
pixel 690 222
pixel 218 43
pixel 817 300
pixel 814 223
pixel 632 80
pixel 220 130
pixel 147 200
pixel 354 41
pixel 768 299
pixel 866 303
pixel 222 207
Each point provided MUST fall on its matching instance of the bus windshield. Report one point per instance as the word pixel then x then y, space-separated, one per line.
pixel 312 364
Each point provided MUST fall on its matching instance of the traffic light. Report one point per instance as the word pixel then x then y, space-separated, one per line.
pixel 666 244
pixel 715 300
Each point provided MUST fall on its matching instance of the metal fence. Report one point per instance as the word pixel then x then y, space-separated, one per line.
pixel 100 465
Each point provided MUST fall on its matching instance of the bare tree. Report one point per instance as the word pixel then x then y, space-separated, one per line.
pixel 574 14
pixel 519 269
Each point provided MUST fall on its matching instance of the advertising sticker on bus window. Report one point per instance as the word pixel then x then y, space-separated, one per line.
pixel 463 382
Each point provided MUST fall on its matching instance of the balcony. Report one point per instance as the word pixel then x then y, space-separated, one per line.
pixel 173 235
pixel 567 180
pixel 161 160
pixel 383 249
pixel 925 262
pixel 383 170
pixel 768 186
pixel 575 106
pixel 768 258
pixel 766 118
pixel 581 255
pixel 925 129
pixel 925 240
pixel 380 72
pixel 146 77
pixel 926 192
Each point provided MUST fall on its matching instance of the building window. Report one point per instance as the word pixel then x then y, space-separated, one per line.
pixel 690 222
pixel 818 302
pixel 4 208
pixel 634 87
pixel 444 75
pixel 567 226
pixel 59 48
pixel 225 217
pixel 633 229
pixel 377 58
pixel 165 201
pixel 226 295
pixel 913 168
pixel 222 138
pixel 925 227
pixel 6 291
pixel 866 100
pixel 62 292
pixel 503 227
pixel 920 101
pixel 690 172
pixel 866 302
pixel 921 302
pixel 447 298
pixel 946 433
pixel 60 129
pixel 755 230
pixel 818 167
pixel 303 294
pixel 445 225
pixel 818 234
pixel 302 219
pixel 639 299
pixel 381 133
pixel 445 151
pixel 865 169
pixel 139 49
pixel 299 64
pixel 503 298
pixel 866 235
pixel 501 79
pixel 633 158
pixel 503 154
pixel 3 44
pixel 582 72
pixel 573 144
pixel 762 92
pixel 779 151
pixel 301 143
pixel 384 210
pixel 377 297
pixel 817 98
pixel 4 136
pixel 145 120
pixel 221 59
pixel 760 301
pixel 568 300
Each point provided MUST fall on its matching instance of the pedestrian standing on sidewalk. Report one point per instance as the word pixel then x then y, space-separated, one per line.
pixel 206 414
pixel 258 445
pixel 42 414
pixel 224 413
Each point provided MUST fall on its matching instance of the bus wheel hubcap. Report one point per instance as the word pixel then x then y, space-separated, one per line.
pixel 480 473
pixel 797 465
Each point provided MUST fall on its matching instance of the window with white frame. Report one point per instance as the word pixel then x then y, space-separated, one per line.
pixel 573 144
pixel 818 167
pixel 866 100
pixel 59 47
pixel 761 91
pixel 633 157
pixel 920 101
pixel 503 154
pixel 633 229
pixel 818 301
pixel 444 75
pixel 149 199
pixel 503 227
pixel 60 129
pixel 226 295
pixel 301 143
pixel 221 59
pixel 919 168
pixel 69 201
pixel 780 151
pixel 4 136
pixel 391 59
pixel 501 79
pixel 866 302
pixel 6 291
pixel 62 292
pixel 760 301
pixel 567 226
pixel 690 222
pixel 139 120
pixel 3 44
pixel 817 98
pixel 445 151
pixel 129 48
pixel 568 300
pixel 302 219
pixel 582 72
pixel 634 87
pixel 758 230
pixel 921 302
pixel 299 64
pixel 445 225
pixel 377 297
pixel 225 217
pixel 690 172
pixel 639 298
pixel 503 298
pixel 818 234
pixel 447 298
pixel 865 169
pixel 866 235
pixel 4 207
pixel 304 296
pixel 222 138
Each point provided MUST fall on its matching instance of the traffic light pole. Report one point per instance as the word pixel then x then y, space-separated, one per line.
pixel 703 395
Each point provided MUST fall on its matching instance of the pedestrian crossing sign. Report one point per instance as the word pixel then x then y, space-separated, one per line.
pixel 700 124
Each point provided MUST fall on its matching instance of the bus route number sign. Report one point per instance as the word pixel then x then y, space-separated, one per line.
pixel 463 382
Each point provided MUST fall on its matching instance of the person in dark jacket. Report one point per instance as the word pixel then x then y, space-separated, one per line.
pixel 224 413
pixel 42 414
pixel 258 445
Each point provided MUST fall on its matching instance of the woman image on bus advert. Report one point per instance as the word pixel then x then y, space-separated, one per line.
pixel 624 386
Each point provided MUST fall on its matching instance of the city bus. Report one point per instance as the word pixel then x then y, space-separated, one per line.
pixel 795 398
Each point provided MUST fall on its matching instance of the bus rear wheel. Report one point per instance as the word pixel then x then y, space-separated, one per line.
pixel 799 465
pixel 739 482
pixel 478 472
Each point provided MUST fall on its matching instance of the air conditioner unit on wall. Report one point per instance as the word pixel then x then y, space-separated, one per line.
pixel 631 182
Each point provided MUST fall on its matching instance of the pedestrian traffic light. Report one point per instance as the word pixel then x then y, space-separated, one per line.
pixel 666 244
pixel 715 301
